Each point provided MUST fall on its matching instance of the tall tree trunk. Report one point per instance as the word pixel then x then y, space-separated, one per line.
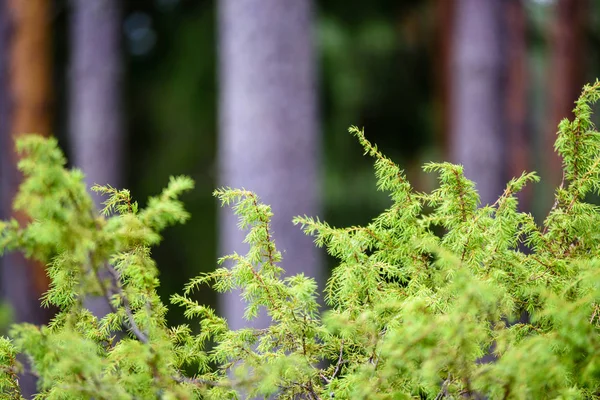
pixel 96 123
pixel 518 155
pixel 269 135
pixel 26 88
pixel 477 105
pixel 25 93
pixel 565 76
pixel 442 49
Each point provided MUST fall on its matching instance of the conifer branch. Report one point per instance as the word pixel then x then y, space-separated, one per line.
pixel 132 325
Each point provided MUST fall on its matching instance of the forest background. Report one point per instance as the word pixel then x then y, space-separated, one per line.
pixel 138 90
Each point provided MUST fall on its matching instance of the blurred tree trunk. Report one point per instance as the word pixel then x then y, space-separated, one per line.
pixel 25 104
pixel 96 123
pixel 476 94
pixel 269 135
pixel 566 75
pixel 518 152
pixel 444 27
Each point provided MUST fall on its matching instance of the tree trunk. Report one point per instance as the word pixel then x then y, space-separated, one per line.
pixel 518 153
pixel 444 17
pixel 477 100
pixel 269 135
pixel 96 123
pixel 565 77
pixel 26 88
pixel 25 93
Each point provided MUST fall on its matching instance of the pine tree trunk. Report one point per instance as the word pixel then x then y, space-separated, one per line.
pixel 269 135
pixel 444 17
pixel 565 77
pixel 477 106
pixel 26 92
pixel 518 152
pixel 96 122
pixel 25 107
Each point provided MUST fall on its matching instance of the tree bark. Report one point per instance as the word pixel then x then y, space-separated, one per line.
pixel 269 135
pixel 96 122
pixel 444 27
pixel 25 107
pixel 566 75
pixel 477 99
pixel 518 153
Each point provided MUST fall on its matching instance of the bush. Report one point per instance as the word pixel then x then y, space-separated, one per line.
pixel 411 312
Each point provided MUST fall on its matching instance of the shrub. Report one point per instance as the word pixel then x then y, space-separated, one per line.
pixel 410 311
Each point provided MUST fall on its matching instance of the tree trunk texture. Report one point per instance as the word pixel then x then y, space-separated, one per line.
pixel 96 122
pixel 269 135
pixel 442 49
pixel 25 107
pixel 566 75
pixel 477 99
pixel 518 140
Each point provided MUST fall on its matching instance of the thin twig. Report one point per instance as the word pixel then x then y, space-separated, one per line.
pixel 198 381
pixel 594 313
pixel 311 391
pixel 131 324
pixel 444 390
pixel 339 362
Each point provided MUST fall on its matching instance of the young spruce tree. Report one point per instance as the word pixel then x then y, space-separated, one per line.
pixel 411 311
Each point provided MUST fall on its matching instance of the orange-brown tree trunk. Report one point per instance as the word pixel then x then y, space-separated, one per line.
pixel 26 87
pixel 566 75
pixel 25 93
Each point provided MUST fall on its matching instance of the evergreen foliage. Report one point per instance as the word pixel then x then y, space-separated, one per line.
pixel 411 311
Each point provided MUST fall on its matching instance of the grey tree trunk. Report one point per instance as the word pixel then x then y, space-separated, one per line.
pixel 477 100
pixel 96 123
pixel 269 135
